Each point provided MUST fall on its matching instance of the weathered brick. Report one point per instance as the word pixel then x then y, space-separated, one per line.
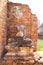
pixel 27 18
pixel 3 12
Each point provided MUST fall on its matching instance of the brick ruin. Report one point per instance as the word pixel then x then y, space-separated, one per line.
pixel 21 14
pixel 12 14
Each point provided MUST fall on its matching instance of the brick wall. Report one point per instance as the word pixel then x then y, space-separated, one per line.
pixel 14 18
pixel 3 11
pixel 16 14
pixel 34 30
pixel 20 13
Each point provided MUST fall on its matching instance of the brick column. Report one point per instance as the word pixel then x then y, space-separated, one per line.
pixel 3 13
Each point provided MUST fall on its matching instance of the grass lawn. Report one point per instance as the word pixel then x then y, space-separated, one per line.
pixel 40 45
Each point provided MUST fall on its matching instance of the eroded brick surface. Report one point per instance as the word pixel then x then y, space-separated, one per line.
pixel 21 14
pixel 3 12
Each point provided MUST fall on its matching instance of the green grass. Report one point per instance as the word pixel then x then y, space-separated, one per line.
pixel 40 45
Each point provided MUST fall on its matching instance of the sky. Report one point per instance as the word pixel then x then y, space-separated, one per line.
pixel 36 7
